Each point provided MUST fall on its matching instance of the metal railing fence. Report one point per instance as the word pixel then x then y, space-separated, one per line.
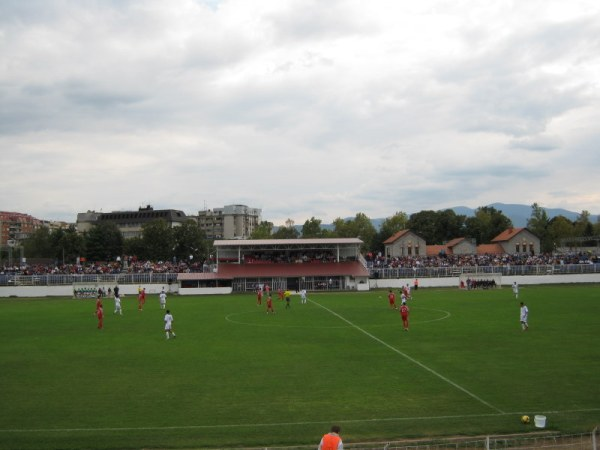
pixel 9 279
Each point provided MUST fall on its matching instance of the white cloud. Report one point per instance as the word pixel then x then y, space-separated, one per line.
pixel 299 108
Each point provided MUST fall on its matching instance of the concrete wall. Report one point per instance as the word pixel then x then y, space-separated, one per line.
pixel 396 283
pixel 67 290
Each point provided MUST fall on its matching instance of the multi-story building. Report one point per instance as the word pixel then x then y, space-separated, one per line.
pixel 16 227
pixel 130 222
pixel 229 222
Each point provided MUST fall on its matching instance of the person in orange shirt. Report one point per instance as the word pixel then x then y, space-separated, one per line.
pixel 332 440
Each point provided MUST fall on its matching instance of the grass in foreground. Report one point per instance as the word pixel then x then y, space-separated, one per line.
pixel 236 376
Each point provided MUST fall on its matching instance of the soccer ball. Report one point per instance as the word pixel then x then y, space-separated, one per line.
pixel 525 419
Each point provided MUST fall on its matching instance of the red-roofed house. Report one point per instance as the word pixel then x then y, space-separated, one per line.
pixel 458 246
pixel 405 243
pixel 490 249
pixel 518 240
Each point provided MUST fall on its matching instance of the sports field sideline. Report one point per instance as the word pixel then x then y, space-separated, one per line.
pixel 238 377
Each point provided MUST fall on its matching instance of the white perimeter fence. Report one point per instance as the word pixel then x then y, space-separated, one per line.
pixel 549 440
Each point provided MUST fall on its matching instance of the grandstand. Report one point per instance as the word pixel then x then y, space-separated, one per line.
pixel 292 264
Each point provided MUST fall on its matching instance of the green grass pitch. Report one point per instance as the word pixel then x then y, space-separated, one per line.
pixel 235 376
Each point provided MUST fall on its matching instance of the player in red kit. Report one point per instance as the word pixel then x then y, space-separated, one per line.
pixel 259 295
pixel 100 315
pixel 141 299
pixel 392 299
pixel 270 304
pixel 98 303
pixel 404 311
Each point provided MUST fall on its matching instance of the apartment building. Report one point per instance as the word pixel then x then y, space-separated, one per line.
pixel 229 222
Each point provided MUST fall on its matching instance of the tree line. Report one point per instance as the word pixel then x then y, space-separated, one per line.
pixel 188 242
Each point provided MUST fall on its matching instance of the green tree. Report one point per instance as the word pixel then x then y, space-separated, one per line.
pixel 285 232
pixel 190 240
pixel 487 223
pixel 103 242
pixel 538 225
pixel 312 228
pixel 449 225
pixel 360 227
pixel 134 247
pixel 582 226
pixel 262 231
pixel 39 244
pixel 423 223
pixel 389 227
pixel 559 228
pixel 67 244
pixel 158 240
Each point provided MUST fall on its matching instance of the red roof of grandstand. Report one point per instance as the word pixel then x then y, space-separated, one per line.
pixel 230 271
pixel 352 268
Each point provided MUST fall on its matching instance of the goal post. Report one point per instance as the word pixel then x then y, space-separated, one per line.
pixel 480 280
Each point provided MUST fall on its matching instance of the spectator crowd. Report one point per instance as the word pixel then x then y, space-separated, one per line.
pixel 133 265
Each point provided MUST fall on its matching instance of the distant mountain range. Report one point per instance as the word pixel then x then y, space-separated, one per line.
pixel 518 214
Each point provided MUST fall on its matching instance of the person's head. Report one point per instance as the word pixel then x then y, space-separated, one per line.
pixel 168 312
pixel 522 303
pixel 336 429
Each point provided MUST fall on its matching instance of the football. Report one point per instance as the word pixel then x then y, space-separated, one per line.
pixel 525 419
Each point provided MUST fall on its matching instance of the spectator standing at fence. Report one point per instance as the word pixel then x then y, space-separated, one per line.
pixel 332 440
pixel 515 289
pixel 118 309
pixel 162 298
pixel 524 316
pixel 404 311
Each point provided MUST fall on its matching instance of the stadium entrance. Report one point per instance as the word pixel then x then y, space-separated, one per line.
pixel 293 284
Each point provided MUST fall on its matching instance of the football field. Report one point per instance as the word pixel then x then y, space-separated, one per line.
pixel 237 377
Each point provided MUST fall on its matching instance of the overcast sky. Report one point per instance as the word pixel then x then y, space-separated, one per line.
pixel 301 108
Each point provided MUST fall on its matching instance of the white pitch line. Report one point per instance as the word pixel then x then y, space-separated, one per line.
pixel 280 424
pixel 420 364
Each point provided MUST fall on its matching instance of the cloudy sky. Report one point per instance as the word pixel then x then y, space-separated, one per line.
pixel 302 108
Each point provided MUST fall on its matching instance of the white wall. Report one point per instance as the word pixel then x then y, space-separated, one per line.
pixel 67 290
pixel 396 283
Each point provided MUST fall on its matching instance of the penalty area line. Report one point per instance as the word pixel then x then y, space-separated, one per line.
pixel 418 363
